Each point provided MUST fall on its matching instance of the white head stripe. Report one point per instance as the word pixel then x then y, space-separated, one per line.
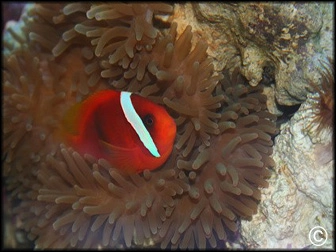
pixel 134 119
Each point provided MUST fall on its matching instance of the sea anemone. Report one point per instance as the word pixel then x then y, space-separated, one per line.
pixel 29 108
pixel 221 156
pixel 323 100
pixel 318 115
pixel 86 203
pixel 225 177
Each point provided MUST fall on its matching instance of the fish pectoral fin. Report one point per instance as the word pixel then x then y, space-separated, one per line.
pixel 119 156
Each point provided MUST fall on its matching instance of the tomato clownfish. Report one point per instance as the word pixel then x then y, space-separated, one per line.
pixel 128 130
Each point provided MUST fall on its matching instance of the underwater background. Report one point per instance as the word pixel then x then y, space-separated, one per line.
pixel 250 87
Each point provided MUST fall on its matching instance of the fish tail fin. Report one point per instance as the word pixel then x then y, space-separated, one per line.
pixel 70 119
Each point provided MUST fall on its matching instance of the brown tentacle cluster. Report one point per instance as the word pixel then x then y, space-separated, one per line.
pixel 87 203
pixel 225 177
pixel 37 92
pixel 222 149
pixel 30 107
pixel 115 34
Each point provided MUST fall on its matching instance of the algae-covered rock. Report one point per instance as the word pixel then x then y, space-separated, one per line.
pixel 291 39
pixel 300 195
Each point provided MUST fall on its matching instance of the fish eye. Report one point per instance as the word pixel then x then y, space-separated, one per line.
pixel 148 120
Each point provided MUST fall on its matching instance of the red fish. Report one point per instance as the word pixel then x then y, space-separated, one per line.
pixel 128 130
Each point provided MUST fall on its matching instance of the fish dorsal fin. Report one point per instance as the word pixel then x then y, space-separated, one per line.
pixel 134 119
